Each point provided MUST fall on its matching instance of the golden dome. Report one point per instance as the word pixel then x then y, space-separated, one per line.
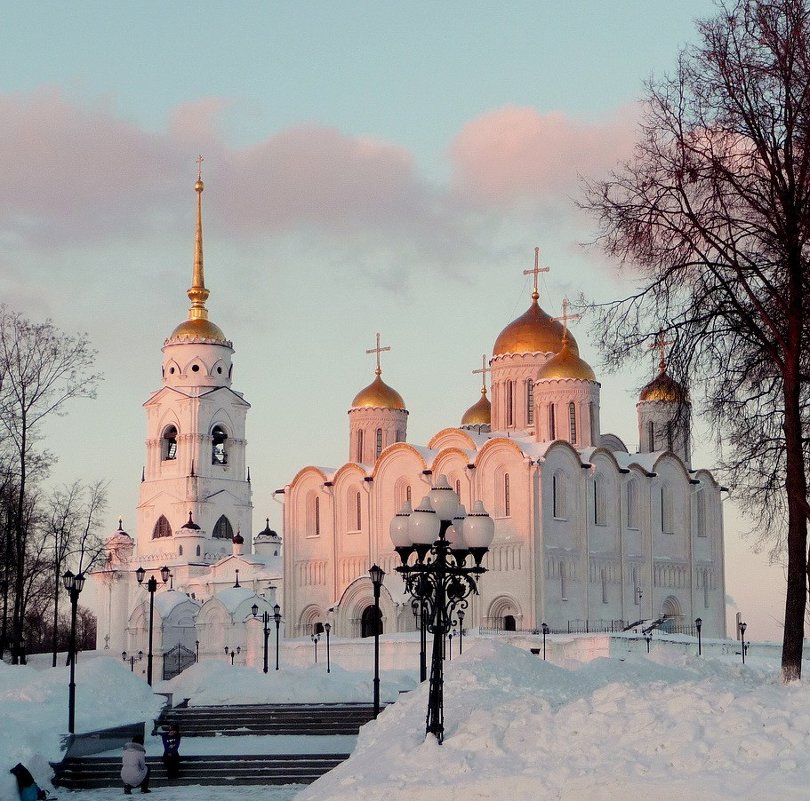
pixel 378 395
pixel 480 413
pixel 198 329
pixel 664 388
pixel 532 332
pixel 567 364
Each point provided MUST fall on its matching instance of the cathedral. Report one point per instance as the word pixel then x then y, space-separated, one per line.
pixel 588 536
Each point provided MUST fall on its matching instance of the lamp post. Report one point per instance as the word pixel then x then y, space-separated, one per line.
pixel 648 637
pixel 743 627
pixel 233 652
pixel 315 640
pixel 419 614
pixel 73 584
pixel 266 629
pixel 132 659
pixel 699 626
pixel 442 539
pixel 377 575
pixel 151 587
pixel 545 631
pixel 196 650
pixel 327 627
pixel 460 632
pixel 277 618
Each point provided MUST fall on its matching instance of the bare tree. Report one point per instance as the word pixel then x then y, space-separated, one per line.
pixel 41 369
pixel 713 211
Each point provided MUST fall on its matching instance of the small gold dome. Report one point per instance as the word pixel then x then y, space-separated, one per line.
pixel 566 364
pixel 378 395
pixel 480 413
pixel 198 329
pixel 664 388
pixel 532 332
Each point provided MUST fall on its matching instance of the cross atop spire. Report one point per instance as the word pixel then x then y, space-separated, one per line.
pixel 660 345
pixel 200 160
pixel 536 270
pixel 378 350
pixel 565 317
pixel 484 370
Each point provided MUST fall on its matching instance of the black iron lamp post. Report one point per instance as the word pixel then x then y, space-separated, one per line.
pixel 132 659
pixel 233 652
pixel 460 631
pixel 327 627
pixel 377 575
pixel 315 640
pixel 74 585
pixel 442 539
pixel 266 629
pixel 648 638
pixel 545 632
pixel 277 618
pixel 699 626
pixel 419 614
pixel 151 587
pixel 743 627
pixel 196 650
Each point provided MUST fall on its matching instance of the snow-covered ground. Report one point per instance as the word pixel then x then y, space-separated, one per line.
pixel 669 726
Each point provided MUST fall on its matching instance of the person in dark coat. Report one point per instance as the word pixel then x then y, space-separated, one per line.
pixel 171 750
pixel 134 770
pixel 29 790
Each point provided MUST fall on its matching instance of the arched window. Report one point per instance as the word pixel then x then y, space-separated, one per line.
pixel 198 550
pixel 222 529
pixel 408 493
pixel 632 504
pixel 530 401
pixel 558 501
pixel 179 550
pixel 603 579
pixel 317 516
pixel 458 489
pixel 563 586
pixel 572 423
pixel 506 499
pixel 162 528
pixel 358 515
pixel 218 453
pixel 359 455
pixel 378 444
pixel 599 501
pixel 667 526
pixel 510 403
pixel 651 435
pixel 552 425
pixel 592 420
pixel 636 588
pixel 706 588
pixel 170 443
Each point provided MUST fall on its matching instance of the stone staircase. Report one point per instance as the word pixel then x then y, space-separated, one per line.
pixel 103 770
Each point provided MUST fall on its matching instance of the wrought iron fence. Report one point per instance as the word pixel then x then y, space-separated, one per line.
pixel 176 660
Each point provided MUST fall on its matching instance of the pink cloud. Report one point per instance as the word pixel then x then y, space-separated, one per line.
pixel 516 155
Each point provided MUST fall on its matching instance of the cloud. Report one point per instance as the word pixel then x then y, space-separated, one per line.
pixel 517 155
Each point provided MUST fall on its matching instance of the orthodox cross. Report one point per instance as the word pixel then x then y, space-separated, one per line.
pixel 484 370
pixel 660 344
pixel 200 160
pixel 536 270
pixel 565 317
pixel 378 350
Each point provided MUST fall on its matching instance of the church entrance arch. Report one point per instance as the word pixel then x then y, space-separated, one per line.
pixel 368 628
pixel 509 623
pixel 671 612
pixel 504 613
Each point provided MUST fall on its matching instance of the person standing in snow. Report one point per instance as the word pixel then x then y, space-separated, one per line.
pixel 171 750
pixel 134 770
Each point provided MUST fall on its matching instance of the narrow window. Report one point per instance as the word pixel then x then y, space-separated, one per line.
pixel 218 453
pixel 592 420
pixel 670 428
pixel 597 510
pixel 378 446
pixel 162 528
pixel 563 589
pixel 317 516
pixel 223 529
pixel 359 446
pixel 509 403
pixel 458 489
pixel 554 508
pixel 705 589
pixel 198 550
pixel 572 423
pixel 666 510
pixel 530 401
pixel 506 500
pixel 408 493
pixel 700 500
pixel 632 504
pixel 552 427
pixel 636 588
pixel 170 443
pixel 603 579
pixel 358 513
pixel 651 435
pixel 558 499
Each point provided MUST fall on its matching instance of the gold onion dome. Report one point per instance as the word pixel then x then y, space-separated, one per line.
pixel 480 413
pixel 533 332
pixel 664 388
pixel 566 364
pixel 378 395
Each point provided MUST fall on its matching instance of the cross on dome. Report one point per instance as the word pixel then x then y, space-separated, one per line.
pixel 536 270
pixel 565 317
pixel 378 350
pixel 200 160
pixel 484 370
pixel 660 344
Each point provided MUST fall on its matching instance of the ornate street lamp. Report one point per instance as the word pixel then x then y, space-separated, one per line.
pixel 233 652
pixel 132 659
pixel 266 629
pixel 419 615
pixel 327 627
pixel 699 626
pixel 442 540
pixel 460 616
pixel 151 587
pixel 545 632
pixel 74 585
pixel 315 640
pixel 377 575
pixel 277 618
pixel 743 627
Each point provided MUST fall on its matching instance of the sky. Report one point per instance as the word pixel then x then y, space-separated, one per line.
pixel 670 725
pixel 369 167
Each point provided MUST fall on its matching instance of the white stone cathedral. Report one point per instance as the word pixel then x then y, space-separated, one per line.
pixel 588 536
pixel 194 513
